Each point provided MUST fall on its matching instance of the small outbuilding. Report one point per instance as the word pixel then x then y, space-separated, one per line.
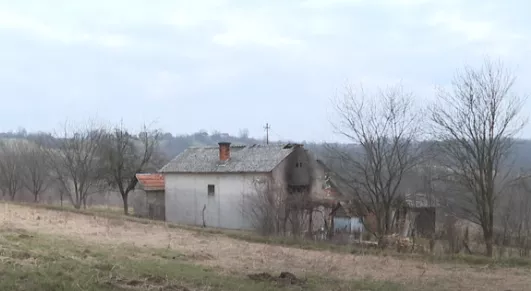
pixel 151 201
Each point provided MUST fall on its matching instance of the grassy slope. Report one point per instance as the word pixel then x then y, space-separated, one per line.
pixel 479 260
pixel 30 261
pixel 37 262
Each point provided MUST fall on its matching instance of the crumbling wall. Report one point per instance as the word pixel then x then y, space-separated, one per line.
pixel 138 201
pixel 156 205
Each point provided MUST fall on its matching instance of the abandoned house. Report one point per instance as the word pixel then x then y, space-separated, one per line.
pixel 149 201
pixel 331 194
pixel 418 215
pixel 219 186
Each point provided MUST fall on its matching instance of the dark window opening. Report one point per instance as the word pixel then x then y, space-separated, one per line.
pixel 297 189
pixel 211 190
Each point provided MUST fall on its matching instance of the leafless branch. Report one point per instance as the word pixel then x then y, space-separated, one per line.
pixel 384 128
pixel 272 211
pixel 36 169
pixel 475 124
pixel 126 155
pixel 11 171
pixel 76 162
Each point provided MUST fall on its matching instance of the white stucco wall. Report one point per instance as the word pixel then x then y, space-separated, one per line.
pixel 187 194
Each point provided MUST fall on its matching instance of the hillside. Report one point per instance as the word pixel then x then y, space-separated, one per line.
pixel 56 250
pixel 171 145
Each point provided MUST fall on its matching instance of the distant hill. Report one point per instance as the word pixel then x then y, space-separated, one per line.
pixel 172 145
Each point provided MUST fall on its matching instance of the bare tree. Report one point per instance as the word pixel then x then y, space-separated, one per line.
pixel 11 171
pixel 384 128
pixel 272 211
pixel 126 155
pixel 264 206
pixel 474 124
pixel 36 169
pixel 76 162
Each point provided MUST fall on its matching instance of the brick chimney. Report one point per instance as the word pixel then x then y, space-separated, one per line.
pixel 224 151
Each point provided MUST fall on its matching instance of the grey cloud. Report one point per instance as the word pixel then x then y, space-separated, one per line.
pixel 180 77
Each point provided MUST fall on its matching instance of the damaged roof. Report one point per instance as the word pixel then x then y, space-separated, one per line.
pixel 243 159
pixel 421 200
pixel 151 182
pixel 342 190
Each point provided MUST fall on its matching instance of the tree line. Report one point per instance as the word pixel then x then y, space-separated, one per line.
pixel 79 161
pixel 471 128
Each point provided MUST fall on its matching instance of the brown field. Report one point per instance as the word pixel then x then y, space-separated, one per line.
pixel 236 258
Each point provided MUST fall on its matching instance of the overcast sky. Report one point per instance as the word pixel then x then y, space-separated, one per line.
pixel 228 65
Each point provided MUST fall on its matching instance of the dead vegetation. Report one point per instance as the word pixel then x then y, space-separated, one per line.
pixel 284 278
pixel 147 282
pixel 386 125
pixel 476 123
pixel 124 158
pixel 232 257
pixel 32 261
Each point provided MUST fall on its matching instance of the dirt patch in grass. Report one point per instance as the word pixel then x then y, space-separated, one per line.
pixel 284 278
pixel 145 283
pixel 232 256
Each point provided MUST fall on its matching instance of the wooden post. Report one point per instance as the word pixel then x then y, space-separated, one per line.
pixel 310 222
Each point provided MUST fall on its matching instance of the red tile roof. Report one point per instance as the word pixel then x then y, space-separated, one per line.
pixel 151 182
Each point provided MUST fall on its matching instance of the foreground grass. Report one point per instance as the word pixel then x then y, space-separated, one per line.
pixel 116 213
pixel 30 261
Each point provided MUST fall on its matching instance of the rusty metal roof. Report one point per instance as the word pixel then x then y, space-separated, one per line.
pixel 151 182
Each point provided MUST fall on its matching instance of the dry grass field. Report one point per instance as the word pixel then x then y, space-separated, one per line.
pixel 42 249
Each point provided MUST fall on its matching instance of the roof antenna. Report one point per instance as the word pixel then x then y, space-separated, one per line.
pixel 267 127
